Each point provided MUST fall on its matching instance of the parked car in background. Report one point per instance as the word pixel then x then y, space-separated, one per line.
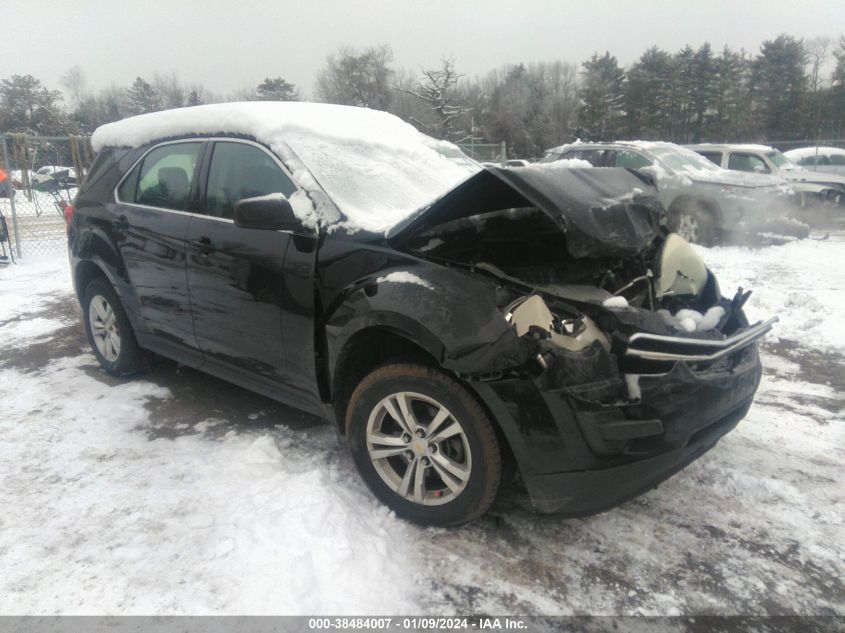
pixel 824 159
pixel 58 173
pixel 516 162
pixel 451 320
pixel 810 186
pixel 702 200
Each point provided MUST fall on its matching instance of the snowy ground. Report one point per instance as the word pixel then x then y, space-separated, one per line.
pixel 177 493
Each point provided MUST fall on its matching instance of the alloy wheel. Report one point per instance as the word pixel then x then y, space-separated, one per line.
pixel 689 228
pixel 104 328
pixel 418 448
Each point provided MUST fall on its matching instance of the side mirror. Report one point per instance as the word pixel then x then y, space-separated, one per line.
pixel 270 213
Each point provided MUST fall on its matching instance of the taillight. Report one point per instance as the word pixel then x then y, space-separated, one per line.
pixel 69 211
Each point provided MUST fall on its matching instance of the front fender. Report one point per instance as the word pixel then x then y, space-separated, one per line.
pixel 451 314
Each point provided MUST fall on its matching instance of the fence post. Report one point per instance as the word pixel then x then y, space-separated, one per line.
pixel 504 152
pixel 11 195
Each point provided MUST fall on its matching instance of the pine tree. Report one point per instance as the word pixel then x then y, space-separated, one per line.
pixel 780 85
pixel 648 97
pixel 602 97
pixel 276 89
pixel 27 106
pixel 143 97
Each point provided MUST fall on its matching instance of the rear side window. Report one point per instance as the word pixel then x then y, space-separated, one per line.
pixel 163 179
pixel 596 157
pixel 631 160
pixel 241 171
pixel 713 157
pixel 837 159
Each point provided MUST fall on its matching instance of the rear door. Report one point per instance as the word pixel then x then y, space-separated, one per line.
pixel 151 217
pixel 236 276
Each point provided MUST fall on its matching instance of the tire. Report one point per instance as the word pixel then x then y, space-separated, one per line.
pixel 460 473
pixel 109 331
pixel 693 222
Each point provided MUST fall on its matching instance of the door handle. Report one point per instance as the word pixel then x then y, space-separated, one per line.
pixel 122 223
pixel 204 245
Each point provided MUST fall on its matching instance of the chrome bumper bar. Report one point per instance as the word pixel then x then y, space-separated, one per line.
pixel 676 344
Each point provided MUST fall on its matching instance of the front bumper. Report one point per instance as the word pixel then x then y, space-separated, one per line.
pixel 578 456
pixel 589 492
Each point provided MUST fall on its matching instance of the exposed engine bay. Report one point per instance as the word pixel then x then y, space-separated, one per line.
pixel 598 322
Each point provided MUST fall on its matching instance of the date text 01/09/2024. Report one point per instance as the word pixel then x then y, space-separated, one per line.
pixel 416 623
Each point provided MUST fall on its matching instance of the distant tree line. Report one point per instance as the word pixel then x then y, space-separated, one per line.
pixel 792 89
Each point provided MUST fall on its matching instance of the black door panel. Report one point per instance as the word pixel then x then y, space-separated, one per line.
pixel 149 224
pixel 238 283
pixel 235 280
pixel 152 244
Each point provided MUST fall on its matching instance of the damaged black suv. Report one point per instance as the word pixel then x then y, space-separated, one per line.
pixel 457 323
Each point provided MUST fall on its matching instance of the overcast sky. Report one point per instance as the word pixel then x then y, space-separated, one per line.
pixel 233 44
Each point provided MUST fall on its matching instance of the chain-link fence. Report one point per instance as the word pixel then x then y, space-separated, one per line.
pixel 486 152
pixel 42 173
pixel 785 146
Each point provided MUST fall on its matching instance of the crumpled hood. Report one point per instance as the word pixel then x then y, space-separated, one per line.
pixel 735 178
pixel 806 175
pixel 607 212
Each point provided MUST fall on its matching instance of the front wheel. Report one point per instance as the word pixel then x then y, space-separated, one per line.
pixel 109 331
pixel 423 445
pixel 694 223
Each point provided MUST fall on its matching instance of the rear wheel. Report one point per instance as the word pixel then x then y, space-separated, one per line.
pixel 693 222
pixel 109 331
pixel 423 445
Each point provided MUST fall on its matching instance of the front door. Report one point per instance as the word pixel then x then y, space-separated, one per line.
pixel 235 275
pixel 151 218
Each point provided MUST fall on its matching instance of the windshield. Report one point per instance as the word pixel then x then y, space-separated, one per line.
pixel 781 161
pixel 681 159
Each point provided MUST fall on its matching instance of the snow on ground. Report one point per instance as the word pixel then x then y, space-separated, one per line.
pixel 801 282
pixel 175 493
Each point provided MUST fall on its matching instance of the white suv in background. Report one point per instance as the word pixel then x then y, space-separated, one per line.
pixel 703 201
pixel 825 159
pixel 761 159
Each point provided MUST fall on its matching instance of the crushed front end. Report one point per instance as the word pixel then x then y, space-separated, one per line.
pixel 637 364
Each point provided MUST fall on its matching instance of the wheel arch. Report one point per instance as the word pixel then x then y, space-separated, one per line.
pixel 364 351
pixel 378 345
pixel 85 272
pixel 709 205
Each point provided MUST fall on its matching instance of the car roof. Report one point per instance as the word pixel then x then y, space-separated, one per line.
pixel 361 169
pixel 640 145
pixel 812 151
pixel 727 147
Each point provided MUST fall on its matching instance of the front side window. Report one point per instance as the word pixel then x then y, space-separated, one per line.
pixel 781 161
pixel 837 159
pixel 163 179
pixel 241 171
pixel 747 162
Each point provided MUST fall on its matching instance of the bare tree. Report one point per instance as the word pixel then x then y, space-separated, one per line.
pixel 818 56
pixel 437 90
pixel 73 81
pixel 357 78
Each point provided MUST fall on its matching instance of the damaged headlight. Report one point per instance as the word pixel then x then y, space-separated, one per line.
pixel 681 272
pixel 530 315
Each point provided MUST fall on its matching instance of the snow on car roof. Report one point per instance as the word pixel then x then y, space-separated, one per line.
pixel 744 147
pixel 375 168
pixel 812 151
